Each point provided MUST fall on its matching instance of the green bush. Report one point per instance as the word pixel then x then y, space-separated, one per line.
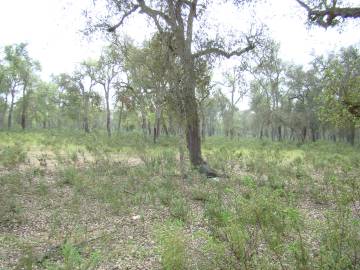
pixel 10 156
pixel 179 208
pixel 171 242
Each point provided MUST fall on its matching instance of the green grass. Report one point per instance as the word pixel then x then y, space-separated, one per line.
pixel 281 206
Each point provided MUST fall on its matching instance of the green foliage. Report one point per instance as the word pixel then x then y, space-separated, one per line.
pixel 10 156
pixel 341 97
pixel 281 205
pixel 172 246
pixel 73 259
pixel 200 193
pixel 28 260
pixel 340 243
pixel 11 206
pixel 179 208
pixel 70 176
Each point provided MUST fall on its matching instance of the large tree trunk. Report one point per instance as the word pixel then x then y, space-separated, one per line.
pixel 203 127
pixel 190 105
pixel 193 138
pixel 192 127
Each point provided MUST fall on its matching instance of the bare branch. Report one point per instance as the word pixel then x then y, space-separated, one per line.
pixel 221 52
pixel 301 3
pixel 127 14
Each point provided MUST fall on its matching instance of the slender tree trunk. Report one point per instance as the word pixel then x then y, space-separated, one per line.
pixel 1 119
pixel 11 108
pixel 232 131
pixel 86 113
pixel 108 113
pixel 23 119
pixel 313 134
pixel 352 134
pixel 148 127
pixel 171 124
pixel 279 133
pixel 164 127
pixel 3 113
pixel 23 109
pixel 120 116
pixel 157 123
pixel 144 122
pixel 304 133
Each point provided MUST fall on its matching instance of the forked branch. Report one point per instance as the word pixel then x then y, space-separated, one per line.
pixel 127 14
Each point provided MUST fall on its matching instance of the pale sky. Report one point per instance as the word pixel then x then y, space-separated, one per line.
pixel 51 27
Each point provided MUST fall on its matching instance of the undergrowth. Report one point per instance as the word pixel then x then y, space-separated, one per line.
pixel 280 206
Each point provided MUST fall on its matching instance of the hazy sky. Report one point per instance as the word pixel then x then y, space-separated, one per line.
pixel 51 27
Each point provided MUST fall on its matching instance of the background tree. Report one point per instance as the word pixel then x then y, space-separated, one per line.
pixel 22 71
pixel 5 85
pixel 107 72
pixel 341 92
pixel 85 79
pixel 269 77
pixel 236 83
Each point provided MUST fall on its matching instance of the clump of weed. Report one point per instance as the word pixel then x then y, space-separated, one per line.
pixel 10 156
pixel 71 177
pixel 179 209
pixel 340 243
pixel 200 194
pixel 11 206
pixel 171 242
pixel 72 258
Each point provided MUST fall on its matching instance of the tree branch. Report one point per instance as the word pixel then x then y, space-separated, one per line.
pixel 127 14
pixel 155 13
pixel 222 52
pixel 325 17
